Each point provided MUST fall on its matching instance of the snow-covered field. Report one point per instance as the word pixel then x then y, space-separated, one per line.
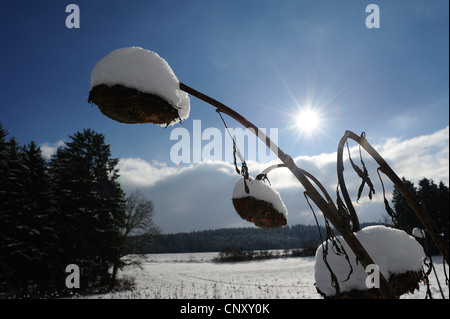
pixel 195 275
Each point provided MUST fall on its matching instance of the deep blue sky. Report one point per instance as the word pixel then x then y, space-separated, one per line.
pixel 259 57
pixel 264 58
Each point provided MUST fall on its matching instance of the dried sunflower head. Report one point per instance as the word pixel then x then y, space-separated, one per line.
pixel 262 205
pixel 133 85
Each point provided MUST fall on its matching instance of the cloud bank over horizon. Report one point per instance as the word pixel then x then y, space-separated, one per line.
pixel 198 196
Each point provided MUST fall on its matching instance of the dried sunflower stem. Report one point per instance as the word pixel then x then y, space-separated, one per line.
pixel 328 208
pixel 311 176
pixel 418 207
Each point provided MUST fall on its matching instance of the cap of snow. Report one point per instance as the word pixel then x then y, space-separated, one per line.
pixel 260 190
pixel 392 250
pixel 142 70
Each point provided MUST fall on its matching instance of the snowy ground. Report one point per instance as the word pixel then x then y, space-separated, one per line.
pixel 191 276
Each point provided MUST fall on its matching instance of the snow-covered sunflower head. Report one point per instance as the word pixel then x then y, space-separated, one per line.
pixel 261 205
pixel 396 254
pixel 133 85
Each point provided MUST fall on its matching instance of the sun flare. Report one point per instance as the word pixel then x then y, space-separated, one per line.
pixel 308 120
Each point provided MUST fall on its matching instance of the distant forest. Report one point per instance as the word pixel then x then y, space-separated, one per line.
pixel 246 238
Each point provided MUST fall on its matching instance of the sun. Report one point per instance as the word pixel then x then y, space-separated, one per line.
pixel 308 120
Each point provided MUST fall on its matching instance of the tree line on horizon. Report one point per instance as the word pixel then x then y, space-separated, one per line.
pixel 246 238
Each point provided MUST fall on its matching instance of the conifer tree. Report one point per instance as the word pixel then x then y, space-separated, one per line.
pixel 3 163
pixel 4 218
pixel 90 204
pixel 3 151
pixel 443 216
pixel 436 200
pixel 406 218
pixel 38 219
pixel 26 225
pixel 11 230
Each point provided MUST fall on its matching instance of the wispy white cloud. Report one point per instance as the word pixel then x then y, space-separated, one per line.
pixel 422 156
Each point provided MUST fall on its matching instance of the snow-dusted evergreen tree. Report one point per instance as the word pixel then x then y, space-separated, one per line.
pixel 90 204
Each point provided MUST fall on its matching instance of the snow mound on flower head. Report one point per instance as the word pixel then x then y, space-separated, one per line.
pixel 260 190
pixel 392 250
pixel 142 70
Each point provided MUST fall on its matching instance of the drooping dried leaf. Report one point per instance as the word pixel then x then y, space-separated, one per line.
pixel 364 175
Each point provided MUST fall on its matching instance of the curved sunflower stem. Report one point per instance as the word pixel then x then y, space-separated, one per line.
pixel 418 207
pixel 340 173
pixel 327 207
pixel 266 171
